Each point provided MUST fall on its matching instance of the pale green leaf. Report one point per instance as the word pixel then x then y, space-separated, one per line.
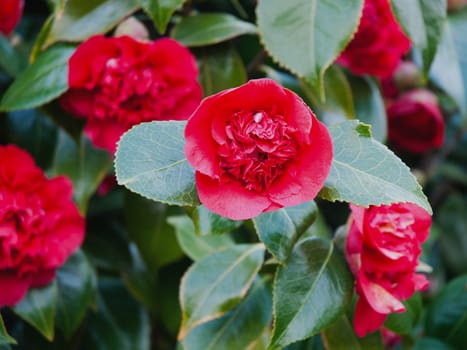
pixel 209 223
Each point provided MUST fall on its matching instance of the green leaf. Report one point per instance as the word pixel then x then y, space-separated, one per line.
pixel 446 318
pixel 5 338
pixel 77 20
pixel 85 165
pixel 369 105
pixel 161 11
pixel 317 30
pixel 365 172
pixel 426 343
pixel 280 229
pixel 404 323
pixel 220 68
pixel 77 286
pixel 310 293
pixel 215 284
pixel 209 223
pixel 423 22
pixel 41 82
pixel 148 228
pixel 239 327
pixel 38 309
pixel 119 321
pixel 10 59
pixel 210 28
pixel 150 161
pixel 341 336
pixel 197 247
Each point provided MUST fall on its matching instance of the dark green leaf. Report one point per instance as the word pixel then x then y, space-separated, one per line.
pixel 404 323
pixel 217 283
pixel 423 22
pixel 85 165
pixel 148 228
pixel 316 30
pixel 239 327
pixel 77 285
pixel 341 336
pixel 369 105
pixel 210 28
pixel 41 82
pixel 280 229
pixel 427 343
pixel 10 59
pixel 209 223
pixel 220 68
pixel 197 247
pixel 310 292
pixel 5 338
pixel 161 11
pixel 77 20
pixel 150 161
pixel 446 318
pixel 38 309
pixel 119 321
pixel 365 172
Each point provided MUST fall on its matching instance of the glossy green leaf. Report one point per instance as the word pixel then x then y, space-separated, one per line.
pixel 161 11
pixel 150 161
pixel 77 20
pixel 10 59
pixel 239 327
pixel 316 30
pixel 38 309
pixel 404 323
pixel 423 22
pixel 76 291
pixel 310 292
pixel 280 229
pixel 341 336
pixel 210 28
pixel 369 105
pixel 5 338
pixel 220 68
pixel 427 343
pixel 148 228
pixel 119 322
pixel 197 247
pixel 365 172
pixel 41 82
pixel 85 165
pixel 446 318
pixel 209 223
pixel 215 284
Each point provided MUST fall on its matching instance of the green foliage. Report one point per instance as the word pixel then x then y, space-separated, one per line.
pixel 161 11
pixel 5 338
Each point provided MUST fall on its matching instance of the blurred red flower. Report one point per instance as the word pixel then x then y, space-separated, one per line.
pixel 256 148
pixel 383 249
pixel 10 14
pixel 40 226
pixel 415 122
pixel 378 44
pixel 119 82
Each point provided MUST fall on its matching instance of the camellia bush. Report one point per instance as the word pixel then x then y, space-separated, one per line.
pixel 233 174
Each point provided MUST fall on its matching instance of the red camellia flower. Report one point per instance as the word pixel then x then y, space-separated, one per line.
pixel 40 225
pixel 415 122
pixel 378 44
pixel 383 249
pixel 118 82
pixel 10 14
pixel 256 148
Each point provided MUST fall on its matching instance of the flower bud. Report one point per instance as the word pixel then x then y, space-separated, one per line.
pixel 407 76
pixel 132 27
pixel 455 5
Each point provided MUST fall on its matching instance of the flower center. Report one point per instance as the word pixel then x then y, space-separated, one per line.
pixel 127 92
pixel 257 149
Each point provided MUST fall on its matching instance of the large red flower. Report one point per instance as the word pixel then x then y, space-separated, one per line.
pixel 379 43
pixel 256 148
pixel 383 249
pixel 118 82
pixel 10 14
pixel 40 225
pixel 415 122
